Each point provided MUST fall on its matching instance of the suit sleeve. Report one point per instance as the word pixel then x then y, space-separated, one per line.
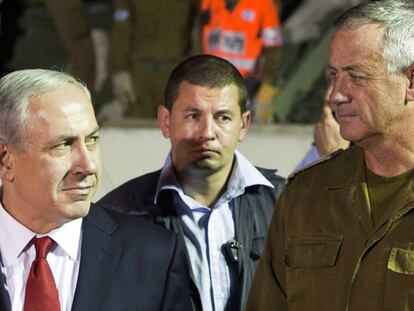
pixel 177 288
pixel 269 284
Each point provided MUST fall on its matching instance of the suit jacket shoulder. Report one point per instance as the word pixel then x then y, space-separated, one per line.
pixel 276 180
pixel 130 264
pixel 135 197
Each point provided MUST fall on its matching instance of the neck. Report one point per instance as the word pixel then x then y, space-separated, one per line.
pixel 391 156
pixel 15 209
pixel 205 189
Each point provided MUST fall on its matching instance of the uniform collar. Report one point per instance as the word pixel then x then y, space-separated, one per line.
pixel 349 171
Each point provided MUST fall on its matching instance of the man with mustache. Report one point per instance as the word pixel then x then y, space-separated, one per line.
pixel 59 251
pixel 207 191
pixel 342 234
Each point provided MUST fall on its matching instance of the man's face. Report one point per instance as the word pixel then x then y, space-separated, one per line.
pixel 368 102
pixel 54 177
pixel 204 126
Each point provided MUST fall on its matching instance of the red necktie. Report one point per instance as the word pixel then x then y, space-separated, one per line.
pixel 41 291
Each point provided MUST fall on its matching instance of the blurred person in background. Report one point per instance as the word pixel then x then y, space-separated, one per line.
pixel 248 34
pixel 149 38
pixel 326 135
pixel 34 50
pixel 10 12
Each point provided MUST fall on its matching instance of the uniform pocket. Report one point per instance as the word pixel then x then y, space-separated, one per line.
pixel 311 272
pixel 399 282
pixel 312 251
pixel 401 260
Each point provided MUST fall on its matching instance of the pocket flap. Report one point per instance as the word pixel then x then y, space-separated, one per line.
pixel 312 251
pixel 401 258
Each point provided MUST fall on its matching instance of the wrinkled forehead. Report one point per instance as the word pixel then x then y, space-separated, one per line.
pixel 361 35
pixel 62 111
pixel 363 43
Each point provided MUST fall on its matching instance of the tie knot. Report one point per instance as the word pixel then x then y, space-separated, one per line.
pixel 42 246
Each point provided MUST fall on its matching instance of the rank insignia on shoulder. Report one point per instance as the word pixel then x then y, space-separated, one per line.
pixel 321 160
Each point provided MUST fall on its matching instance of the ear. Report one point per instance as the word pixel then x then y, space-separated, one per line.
pixel 246 120
pixel 163 115
pixel 410 89
pixel 6 162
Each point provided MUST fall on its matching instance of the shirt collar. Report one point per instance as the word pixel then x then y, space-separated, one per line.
pixel 243 175
pixel 66 236
pixel 167 179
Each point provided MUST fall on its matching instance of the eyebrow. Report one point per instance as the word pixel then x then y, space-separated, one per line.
pixel 191 109
pixel 361 68
pixel 97 130
pixel 224 111
pixel 72 138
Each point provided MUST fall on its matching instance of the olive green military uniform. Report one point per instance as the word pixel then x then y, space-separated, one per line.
pixel 70 19
pixel 323 251
pixel 149 38
pixel 70 47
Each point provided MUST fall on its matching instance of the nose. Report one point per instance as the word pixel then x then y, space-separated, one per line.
pixel 337 92
pixel 328 93
pixel 84 162
pixel 206 129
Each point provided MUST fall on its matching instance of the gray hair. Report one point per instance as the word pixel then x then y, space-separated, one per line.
pixel 397 18
pixel 16 88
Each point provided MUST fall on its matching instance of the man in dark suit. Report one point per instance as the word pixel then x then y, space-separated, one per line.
pixel 57 251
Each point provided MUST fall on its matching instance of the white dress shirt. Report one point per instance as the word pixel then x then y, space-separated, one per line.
pixel 208 230
pixel 17 258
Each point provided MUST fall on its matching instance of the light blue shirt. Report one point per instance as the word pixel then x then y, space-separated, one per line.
pixel 208 231
pixel 310 157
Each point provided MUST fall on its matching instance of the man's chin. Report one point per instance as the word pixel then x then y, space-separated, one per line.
pixel 79 209
pixel 206 165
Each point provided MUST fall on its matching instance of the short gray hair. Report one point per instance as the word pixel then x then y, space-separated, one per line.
pixel 16 88
pixel 397 18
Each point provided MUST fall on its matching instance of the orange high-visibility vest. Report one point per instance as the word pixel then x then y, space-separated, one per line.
pixel 239 35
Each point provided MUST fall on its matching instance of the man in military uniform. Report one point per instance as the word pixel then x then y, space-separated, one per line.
pixel 148 39
pixel 69 18
pixel 342 234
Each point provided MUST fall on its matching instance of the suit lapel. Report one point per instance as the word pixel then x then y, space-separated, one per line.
pixel 100 255
pixel 5 304
pixel 166 217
